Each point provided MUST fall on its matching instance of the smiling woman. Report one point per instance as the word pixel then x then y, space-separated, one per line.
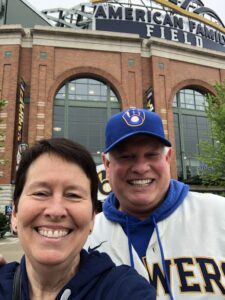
pixel 55 213
pixel 54 206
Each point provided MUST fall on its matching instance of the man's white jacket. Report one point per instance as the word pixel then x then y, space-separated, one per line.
pixel 193 241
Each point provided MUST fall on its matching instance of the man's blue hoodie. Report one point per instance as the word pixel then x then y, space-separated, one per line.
pixel 139 232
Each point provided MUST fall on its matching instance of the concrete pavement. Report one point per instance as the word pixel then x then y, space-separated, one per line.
pixel 10 248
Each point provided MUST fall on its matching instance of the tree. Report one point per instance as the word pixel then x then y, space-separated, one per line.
pixel 4 225
pixel 212 155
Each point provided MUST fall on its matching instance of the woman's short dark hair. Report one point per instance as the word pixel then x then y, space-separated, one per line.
pixel 65 149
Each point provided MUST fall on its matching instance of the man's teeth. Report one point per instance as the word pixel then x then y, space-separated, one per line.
pixel 53 233
pixel 141 181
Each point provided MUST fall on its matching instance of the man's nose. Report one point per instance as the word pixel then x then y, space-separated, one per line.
pixel 141 165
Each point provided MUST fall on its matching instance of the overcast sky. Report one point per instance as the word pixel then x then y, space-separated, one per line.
pixel 217 5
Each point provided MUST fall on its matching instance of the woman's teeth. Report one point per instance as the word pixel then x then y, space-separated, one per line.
pixel 53 233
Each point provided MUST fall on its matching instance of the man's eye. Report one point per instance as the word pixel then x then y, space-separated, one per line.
pixel 154 155
pixel 125 156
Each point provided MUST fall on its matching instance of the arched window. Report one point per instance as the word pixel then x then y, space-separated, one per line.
pixel 81 109
pixel 191 126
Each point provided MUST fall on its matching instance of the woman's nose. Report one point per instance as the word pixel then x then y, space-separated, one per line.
pixel 55 208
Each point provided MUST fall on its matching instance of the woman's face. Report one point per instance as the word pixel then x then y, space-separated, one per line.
pixel 55 214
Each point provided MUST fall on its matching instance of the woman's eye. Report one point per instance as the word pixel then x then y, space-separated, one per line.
pixel 40 194
pixel 73 196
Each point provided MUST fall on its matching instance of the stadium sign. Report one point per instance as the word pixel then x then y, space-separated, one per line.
pixel 103 184
pixel 168 20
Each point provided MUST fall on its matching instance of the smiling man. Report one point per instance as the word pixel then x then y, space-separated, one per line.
pixel 173 237
pixel 139 172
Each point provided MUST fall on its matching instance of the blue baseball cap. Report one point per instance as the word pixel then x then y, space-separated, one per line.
pixel 132 122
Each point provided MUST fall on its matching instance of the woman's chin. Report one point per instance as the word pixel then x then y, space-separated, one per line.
pixel 49 258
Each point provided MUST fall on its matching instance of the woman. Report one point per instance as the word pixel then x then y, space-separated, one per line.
pixel 54 205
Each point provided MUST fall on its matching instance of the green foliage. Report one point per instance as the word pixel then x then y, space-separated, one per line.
pixel 3 221
pixel 2 104
pixel 4 225
pixel 213 155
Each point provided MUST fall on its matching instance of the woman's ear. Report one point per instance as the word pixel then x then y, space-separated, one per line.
pixel 14 219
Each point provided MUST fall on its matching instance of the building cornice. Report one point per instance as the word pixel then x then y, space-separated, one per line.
pixel 110 42
pixel 11 34
pixel 183 52
pixel 86 39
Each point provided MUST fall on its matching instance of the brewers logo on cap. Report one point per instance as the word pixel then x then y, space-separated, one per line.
pixel 134 117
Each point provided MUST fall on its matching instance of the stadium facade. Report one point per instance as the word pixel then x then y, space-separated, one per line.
pixel 63 72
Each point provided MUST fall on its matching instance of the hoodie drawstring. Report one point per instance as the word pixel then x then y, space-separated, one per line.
pixel 161 252
pixel 66 294
pixel 162 258
pixel 129 244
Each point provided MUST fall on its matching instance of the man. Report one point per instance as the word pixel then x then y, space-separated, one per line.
pixel 173 237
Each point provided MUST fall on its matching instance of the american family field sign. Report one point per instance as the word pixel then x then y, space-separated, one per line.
pixel 200 27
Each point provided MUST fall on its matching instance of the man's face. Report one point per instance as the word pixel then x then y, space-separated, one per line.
pixel 138 170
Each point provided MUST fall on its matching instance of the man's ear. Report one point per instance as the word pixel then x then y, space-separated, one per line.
pixel 106 163
pixel 169 155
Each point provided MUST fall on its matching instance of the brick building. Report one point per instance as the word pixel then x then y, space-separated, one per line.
pixel 62 81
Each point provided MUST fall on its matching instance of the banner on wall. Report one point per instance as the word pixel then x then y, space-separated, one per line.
pixel 21 146
pixel 20 112
pixel 150 100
